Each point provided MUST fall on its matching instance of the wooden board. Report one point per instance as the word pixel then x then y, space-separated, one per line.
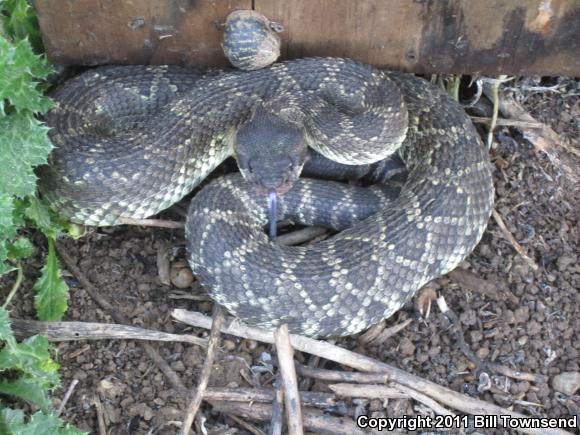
pixel 456 36
pixel 89 32
pixel 445 36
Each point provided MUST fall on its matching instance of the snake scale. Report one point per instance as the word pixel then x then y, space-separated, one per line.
pixel 132 140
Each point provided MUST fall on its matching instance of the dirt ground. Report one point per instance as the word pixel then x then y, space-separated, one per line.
pixel 532 325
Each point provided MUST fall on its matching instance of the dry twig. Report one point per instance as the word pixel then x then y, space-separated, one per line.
pixel 67 396
pixel 159 223
pixel 517 123
pixel 364 363
pixel 267 395
pixel 510 238
pixel 313 419
pixel 289 380
pixel 163 264
pixel 379 334
pixel 495 100
pixel 277 409
pixel 249 427
pixel 392 391
pixel 73 331
pixel 300 236
pixel 368 391
pixel 425 400
pixel 470 281
pixel 214 337
pixel 100 416
pixel 338 376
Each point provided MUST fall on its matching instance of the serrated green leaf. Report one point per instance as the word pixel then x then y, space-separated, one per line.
pixel 24 144
pixel 39 214
pixel 19 70
pixel 5 330
pixel 4 266
pixel 71 430
pixel 7 231
pixel 32 358
pixel 21 248
pixel 20 21
pixel 41 423
pixel 10 419
pixel 28 389
pixel 51 290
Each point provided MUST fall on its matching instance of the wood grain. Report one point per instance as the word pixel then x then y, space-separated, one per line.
pixel 88 32
pixel 453 36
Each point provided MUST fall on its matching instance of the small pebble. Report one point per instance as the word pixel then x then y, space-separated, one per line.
pixel 567 383
pixel 181 277
pixel 229 345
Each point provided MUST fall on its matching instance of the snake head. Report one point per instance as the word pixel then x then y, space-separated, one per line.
pixel 270 151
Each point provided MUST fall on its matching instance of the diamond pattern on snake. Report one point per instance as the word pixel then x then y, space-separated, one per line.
pixel 132 140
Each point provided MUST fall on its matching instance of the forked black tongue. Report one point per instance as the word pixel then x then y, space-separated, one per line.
pixel 272 212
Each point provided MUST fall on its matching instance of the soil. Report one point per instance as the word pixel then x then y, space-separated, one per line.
pixel 530 325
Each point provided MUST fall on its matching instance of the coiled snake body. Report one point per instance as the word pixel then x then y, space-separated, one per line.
pixel 130 141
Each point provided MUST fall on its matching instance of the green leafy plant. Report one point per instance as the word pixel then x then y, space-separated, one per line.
pixel 27 371
pixel 30 373
pixel 24 144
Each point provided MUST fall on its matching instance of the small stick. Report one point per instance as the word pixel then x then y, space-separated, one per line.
pixel 305 382
pixel 100 416
pixel 357 361
pixel 67 395
pixel 72 331
pixel 310 398
pixel 495 100
pixel 516 374
pixel 338 376
pixel 214 338
pixel 15 286
pixel 289 380
pixel 249 427
pixel 277 409
pixel 78 352
pixel 371 337
pixel 458 333
pixel 89 287
pixel 512 240
pixel 393 391
pixel 159 223
pixel 425 400
pixel 163 264
pixel 301 236
pixel 470 281
pixel 518 123
pixel 368 391
pixel 162 365
pixel 313 419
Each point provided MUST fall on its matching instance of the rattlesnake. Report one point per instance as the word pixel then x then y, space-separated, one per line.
pixel 130 141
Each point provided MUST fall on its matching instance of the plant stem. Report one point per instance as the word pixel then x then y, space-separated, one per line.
pixel 453 83
pixel 15 286
pixel 495 101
